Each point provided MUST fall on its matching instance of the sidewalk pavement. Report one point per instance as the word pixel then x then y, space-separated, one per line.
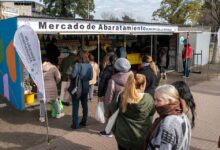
pixel 204 136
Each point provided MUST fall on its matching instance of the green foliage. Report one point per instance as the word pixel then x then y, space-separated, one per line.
pixel 69 8
pixel 126 18
pixel 210 13
pixel 187 13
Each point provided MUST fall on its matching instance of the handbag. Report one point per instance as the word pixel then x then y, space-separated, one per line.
pixel 113 118
pixel 75 88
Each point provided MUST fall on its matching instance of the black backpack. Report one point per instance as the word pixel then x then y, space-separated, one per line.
pixel 75 88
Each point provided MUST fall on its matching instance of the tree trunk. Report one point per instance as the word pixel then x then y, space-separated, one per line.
pixel 215 54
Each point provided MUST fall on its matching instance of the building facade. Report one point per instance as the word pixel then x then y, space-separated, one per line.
pixel 13 8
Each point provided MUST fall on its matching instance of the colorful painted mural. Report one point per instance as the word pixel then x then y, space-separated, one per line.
pixel 10 65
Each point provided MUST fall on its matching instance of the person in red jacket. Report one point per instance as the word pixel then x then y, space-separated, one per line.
pixel 187 51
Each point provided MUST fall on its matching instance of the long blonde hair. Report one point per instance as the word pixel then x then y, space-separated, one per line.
pixel 148 59
pixel 134 85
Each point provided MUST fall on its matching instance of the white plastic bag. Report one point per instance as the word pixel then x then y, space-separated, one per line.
pixel 111 121
pixel 99 113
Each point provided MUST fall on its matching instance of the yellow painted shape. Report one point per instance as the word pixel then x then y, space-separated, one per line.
pixel 134 58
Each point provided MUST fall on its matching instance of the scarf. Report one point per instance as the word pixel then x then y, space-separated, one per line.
pixel 175 108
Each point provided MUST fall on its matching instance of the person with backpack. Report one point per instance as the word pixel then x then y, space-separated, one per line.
pixel 115 85
pixel 81 75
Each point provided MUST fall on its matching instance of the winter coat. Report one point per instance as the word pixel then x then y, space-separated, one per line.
pixel 152 79
pixel 85 75
pixel 95 71
pixel 132 125
pixel 51 79
pixel 105 77
pixel 115 85
pixel 66 64
pixel 169 133
pixel 187 52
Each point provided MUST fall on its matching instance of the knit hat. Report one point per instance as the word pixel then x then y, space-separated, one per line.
pixel 122 65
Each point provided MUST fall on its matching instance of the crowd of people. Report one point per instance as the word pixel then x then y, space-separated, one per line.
pixel 140 96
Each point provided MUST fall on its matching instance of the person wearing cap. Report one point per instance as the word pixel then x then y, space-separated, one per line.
pixel 65 69
pixel 116 84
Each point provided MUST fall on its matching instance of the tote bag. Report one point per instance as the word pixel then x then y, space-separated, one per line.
pixel 112 119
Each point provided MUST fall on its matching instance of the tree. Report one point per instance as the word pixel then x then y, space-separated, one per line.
pixel 211 17
pixel 109 16
pixel 127 18
pixel 69 8
pixel 187 13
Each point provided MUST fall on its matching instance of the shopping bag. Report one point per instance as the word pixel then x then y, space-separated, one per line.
pixel 52 109
pixel 111 121
pixel 99 113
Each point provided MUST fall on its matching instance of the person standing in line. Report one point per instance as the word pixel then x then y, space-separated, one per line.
pixel 162 61
pixel 105 76
pixel 84 68
pixel 51 78
pixel 150 70
pixel 115 85
pixel 95 69
pixel 66 70
pixel 172 129
pixel 185 94
pixel 187 51
pixel 136 111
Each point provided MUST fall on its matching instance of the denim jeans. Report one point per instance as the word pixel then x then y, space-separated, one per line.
pixel 75 109
pixel 91 91
pixel 186 65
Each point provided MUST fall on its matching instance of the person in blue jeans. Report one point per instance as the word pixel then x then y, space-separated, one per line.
pixel 85 76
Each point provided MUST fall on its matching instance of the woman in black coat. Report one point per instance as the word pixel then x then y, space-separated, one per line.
pixel 150 70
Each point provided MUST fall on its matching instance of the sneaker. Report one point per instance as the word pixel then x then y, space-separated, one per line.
pixel 59 115
pixel 42 119
pixel 82 124
pixel 103 133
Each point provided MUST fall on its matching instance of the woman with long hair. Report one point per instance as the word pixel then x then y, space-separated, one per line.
pixel 84 69
pixel 186 95
pixel 172 129
pixel 135 115
pixel 150 70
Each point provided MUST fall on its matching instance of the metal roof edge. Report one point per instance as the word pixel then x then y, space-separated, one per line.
pixel 79 19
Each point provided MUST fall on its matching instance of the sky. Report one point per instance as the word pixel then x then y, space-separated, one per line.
pixel 140 10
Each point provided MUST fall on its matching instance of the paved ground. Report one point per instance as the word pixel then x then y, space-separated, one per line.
pixel 22 130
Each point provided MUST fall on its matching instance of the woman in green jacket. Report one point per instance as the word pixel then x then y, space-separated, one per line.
pixel 135 115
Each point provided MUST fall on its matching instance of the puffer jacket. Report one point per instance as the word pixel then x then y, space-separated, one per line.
pixel 51 79
pixel 115 85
